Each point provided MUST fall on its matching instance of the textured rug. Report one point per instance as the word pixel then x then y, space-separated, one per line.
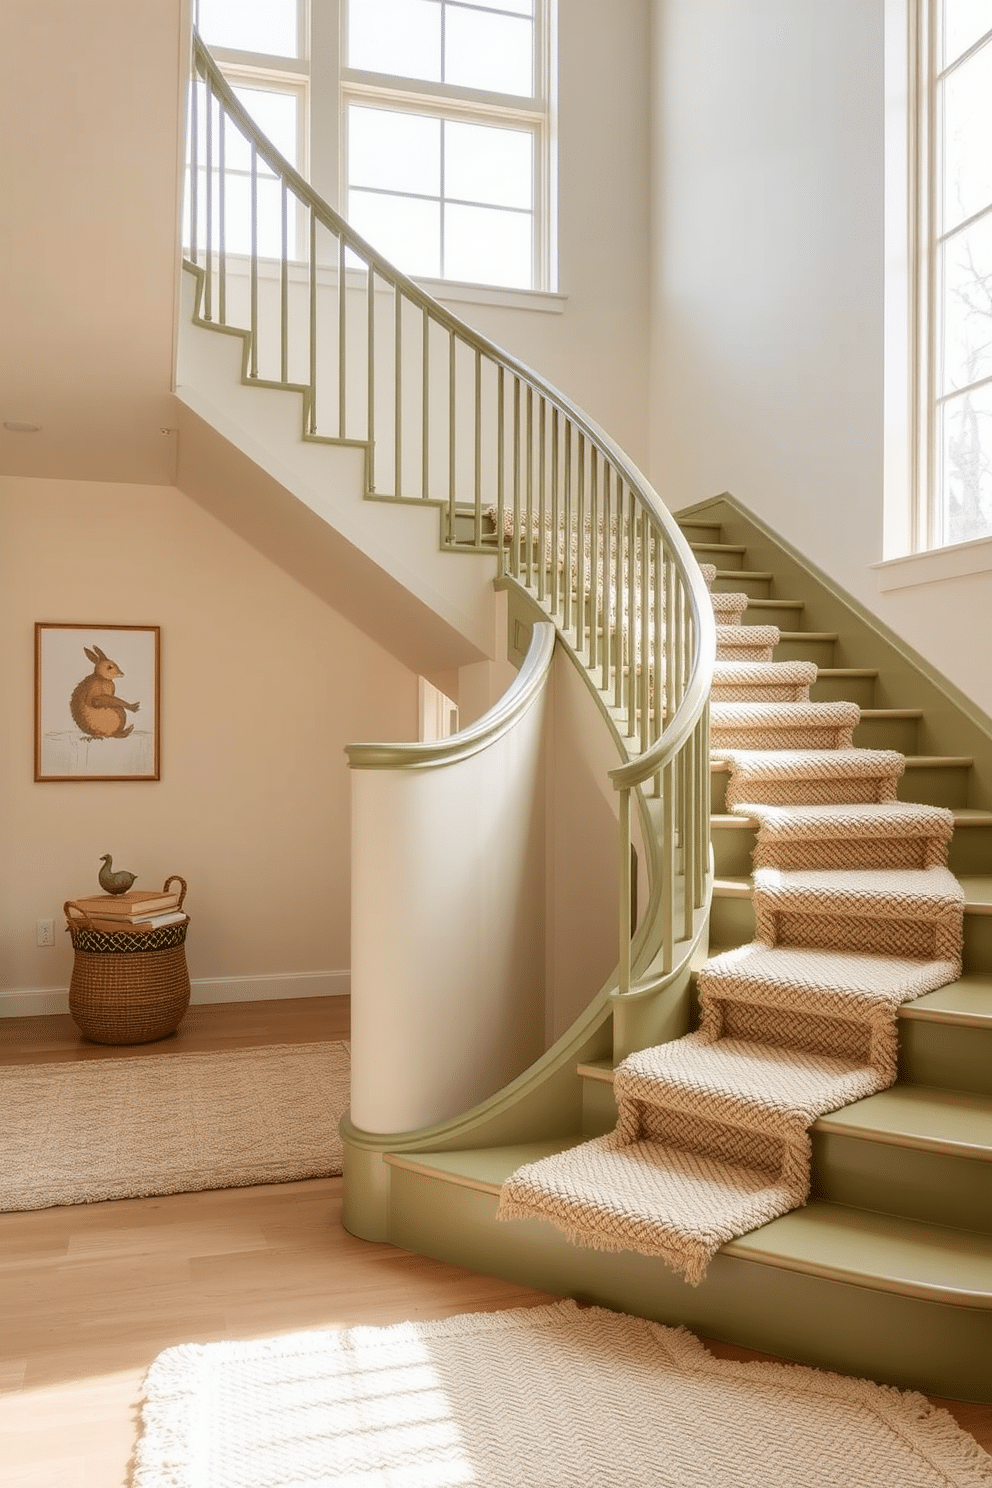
pixel 76 1133
pixel 855 913
pixel 547 1397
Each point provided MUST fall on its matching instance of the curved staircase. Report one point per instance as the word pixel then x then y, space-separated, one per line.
pixel 887 1270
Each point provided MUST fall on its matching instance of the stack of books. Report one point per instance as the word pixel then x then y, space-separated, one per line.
pixel 139 909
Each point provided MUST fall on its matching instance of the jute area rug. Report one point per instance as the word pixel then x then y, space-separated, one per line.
pixel 533 1398
pixel 75 1133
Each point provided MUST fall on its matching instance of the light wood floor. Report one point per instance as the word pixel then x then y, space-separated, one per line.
pixel 91 1293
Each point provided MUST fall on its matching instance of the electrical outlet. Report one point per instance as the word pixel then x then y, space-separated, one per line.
pixel 45 933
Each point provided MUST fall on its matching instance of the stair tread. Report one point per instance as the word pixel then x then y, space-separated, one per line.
pixel 719 547
pixel 977 887
pixel 933 1119
pixel 913 762
pixel 807 635
pixel 880 1250
pixel 962 818
pixel 968 1001
pixel 838 672
pixel 927 1117
pixel 858 1246
pixel 484 1168
pixel 743 573
pixel 891 713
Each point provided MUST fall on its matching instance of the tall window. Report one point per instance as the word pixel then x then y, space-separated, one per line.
pixel 446 136
pixel 436 145
pixel 954 260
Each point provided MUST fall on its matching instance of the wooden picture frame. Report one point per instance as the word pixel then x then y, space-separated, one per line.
pixel 86 727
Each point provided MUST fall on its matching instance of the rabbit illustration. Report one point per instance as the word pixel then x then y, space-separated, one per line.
pixel 94 705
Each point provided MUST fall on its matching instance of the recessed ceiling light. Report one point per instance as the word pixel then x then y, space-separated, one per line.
pixel 17 427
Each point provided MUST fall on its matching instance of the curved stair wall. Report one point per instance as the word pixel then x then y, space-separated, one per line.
pixel 447 891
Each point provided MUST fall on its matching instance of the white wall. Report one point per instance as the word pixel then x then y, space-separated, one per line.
pixel 767 262
pixel 768 299
pixel 263 684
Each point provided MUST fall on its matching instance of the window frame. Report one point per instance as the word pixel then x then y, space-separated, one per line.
pixel 326 88
pixel 926 520
pixel 476 106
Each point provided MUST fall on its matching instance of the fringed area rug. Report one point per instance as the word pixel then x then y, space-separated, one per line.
pixel 855 914
pixel 547 1397
pixel 75 1133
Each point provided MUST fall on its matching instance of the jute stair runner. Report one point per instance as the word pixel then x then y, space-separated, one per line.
pixel 855 914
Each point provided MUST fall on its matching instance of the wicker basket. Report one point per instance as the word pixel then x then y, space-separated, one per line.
pixel 128 986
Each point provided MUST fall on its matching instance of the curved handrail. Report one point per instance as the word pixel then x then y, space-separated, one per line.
pixel 588 538
pixel 522 692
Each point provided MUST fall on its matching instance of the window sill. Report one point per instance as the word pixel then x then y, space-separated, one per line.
pixel 451 291
pixel 935 565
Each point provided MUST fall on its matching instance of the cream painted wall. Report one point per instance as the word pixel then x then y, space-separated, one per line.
pixel 767 267
pixel 768 292
pixel 262 686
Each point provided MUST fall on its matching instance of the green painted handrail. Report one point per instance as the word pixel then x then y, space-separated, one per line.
pixel 500 718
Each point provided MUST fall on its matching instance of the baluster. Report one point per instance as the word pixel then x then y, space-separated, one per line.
pixel 631 629
pixel 312 411
pixel 679 637
pixel 690 843
pixel 555 513
pixel 529 523
pixel 607 648
pixel 703 796
pixel 398 402
pixel 625 876
pixel 668 864
pixel 580 556
pixel 221 215
pixel 658 653
pixel 500 473
pixel 194 168
pixel 542 501
pixel 669 637
pixel 644 598
pixel 451 436
pixel 425 427
pixel 567 574
pixel 370 390
pixel 620 602
pixel 208 281
pixel 342 341
pixel 478 448
pixel 253 355
pixel 593 556
pixel 515 549
pixel 284 287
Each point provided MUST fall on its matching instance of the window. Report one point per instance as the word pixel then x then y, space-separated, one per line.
pixel 429 122
pixel 953 243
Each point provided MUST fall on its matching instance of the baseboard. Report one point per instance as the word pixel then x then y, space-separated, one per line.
pixel 39 1000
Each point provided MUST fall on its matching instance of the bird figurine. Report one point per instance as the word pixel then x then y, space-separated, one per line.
pixel 114 883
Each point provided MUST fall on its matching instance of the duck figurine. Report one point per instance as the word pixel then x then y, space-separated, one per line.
pixel 111 882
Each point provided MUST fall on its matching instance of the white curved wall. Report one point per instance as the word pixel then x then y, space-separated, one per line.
pixel 448 901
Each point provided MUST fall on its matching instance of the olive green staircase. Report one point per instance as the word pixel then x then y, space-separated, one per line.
pixel 887 1271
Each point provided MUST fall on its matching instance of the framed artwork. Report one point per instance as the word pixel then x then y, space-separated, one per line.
pixel 96 702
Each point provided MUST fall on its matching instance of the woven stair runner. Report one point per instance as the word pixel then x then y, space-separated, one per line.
pixel 856 913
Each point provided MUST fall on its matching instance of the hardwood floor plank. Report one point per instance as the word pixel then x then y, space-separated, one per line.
pixel 91 1293
pixel 54 1037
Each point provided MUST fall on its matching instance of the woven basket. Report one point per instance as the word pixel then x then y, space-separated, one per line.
pixel 128 986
